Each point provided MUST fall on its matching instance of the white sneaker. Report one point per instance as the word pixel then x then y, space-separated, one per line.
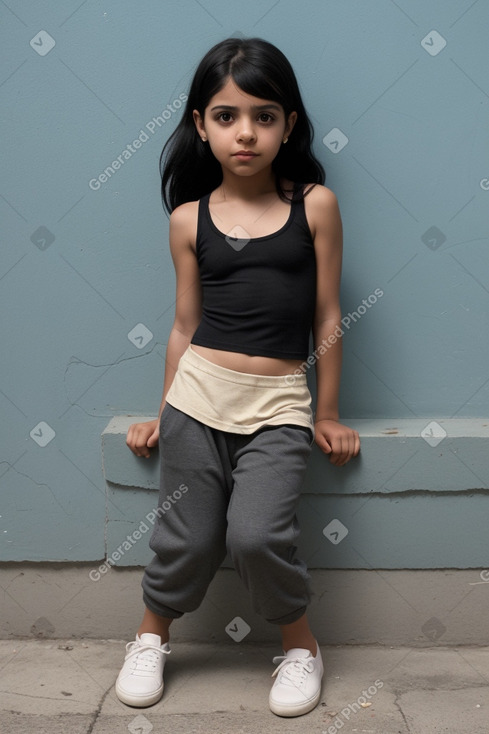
pixel 140 682
pixel 298 686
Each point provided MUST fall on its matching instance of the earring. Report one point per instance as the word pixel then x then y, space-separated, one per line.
pixel 284 140
pixel 204 140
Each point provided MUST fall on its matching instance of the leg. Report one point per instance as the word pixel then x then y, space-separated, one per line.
pixel 190 529
pixel 155 624
pixel 189 542
pixel 298 634
pixel 262 522
pixel 298 677
pixel 262 530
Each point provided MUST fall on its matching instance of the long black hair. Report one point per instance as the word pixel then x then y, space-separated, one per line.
pixel 188 167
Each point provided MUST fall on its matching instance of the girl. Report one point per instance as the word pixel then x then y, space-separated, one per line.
pixel 256 243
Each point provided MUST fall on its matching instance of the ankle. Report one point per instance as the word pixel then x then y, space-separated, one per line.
pixel 304 644
pixel 298 634
pixel 155 625
pixel 154 630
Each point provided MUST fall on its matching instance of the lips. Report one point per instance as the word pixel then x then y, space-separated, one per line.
pixel 245 154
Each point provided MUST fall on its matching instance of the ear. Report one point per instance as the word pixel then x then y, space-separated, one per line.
pixel 199 123
pixel 289 125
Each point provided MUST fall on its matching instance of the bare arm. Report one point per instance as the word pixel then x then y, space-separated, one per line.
pixel 341 442
pixel 188 302
pixel 188 307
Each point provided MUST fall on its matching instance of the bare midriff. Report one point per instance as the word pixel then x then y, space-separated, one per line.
pixel 251 364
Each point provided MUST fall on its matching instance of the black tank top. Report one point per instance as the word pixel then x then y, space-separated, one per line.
pixel 258 294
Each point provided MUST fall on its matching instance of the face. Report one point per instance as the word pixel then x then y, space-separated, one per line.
pixel 244 132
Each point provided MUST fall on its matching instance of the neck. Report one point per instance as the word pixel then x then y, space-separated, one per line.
pixel 247 187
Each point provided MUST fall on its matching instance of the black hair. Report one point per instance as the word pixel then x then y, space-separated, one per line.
pixel 188 167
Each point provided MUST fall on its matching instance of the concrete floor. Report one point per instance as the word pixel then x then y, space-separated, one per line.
pixel 67 687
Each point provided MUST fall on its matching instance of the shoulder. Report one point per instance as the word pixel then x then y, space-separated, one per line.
pixel 321 207
pixel 184 214
pixel 318 192
pixel 183 224
pixel 320 198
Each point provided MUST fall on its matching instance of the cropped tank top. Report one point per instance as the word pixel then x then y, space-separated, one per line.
pixel 258 294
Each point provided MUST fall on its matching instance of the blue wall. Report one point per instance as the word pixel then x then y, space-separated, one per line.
pixel 86 280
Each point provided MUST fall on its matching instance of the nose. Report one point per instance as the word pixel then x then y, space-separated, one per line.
pixel 246 132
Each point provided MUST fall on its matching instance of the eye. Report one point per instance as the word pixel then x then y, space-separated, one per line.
pixel 225 117
pixel 268 117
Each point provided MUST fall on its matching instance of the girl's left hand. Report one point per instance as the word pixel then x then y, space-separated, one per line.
pixel 340 442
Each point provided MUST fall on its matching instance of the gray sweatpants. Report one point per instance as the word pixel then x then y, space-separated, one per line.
pixel 221 492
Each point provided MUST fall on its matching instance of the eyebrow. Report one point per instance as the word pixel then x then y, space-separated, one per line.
pixel 254 107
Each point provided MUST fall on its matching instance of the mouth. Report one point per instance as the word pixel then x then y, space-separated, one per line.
pixel 244 154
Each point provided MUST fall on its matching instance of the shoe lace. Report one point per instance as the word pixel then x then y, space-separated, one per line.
pixel 293 670
pixel 145 657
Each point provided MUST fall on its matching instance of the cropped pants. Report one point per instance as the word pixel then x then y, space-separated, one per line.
pixel 224 492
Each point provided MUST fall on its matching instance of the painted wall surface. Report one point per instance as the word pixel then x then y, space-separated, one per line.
pixel 398 93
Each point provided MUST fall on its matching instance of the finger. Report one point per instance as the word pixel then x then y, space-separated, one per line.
pixel 324 445
pixel 357 443
pixel 138 443
pixel 335 460
pixel 337 454
pixel 131 439
pixel 350 447
pixel 354 445
pixel 151 443
pixel 343 449
pixel 347 450
pixel 153 439
pixel 141 445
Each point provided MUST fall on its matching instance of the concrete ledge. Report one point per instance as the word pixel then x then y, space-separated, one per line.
pixel 397 456
pixel 415 498
pixel 120 465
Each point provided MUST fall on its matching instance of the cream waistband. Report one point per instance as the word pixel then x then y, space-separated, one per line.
pixel 238 402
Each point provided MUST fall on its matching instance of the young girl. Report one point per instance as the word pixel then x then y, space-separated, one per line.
pixel 256 243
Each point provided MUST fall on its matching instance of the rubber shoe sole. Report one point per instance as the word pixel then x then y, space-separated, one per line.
pixel 294 710
pixel 139 701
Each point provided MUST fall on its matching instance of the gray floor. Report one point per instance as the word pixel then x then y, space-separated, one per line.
pixel 67 687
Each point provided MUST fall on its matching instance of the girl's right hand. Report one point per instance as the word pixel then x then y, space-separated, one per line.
pixel 143 436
